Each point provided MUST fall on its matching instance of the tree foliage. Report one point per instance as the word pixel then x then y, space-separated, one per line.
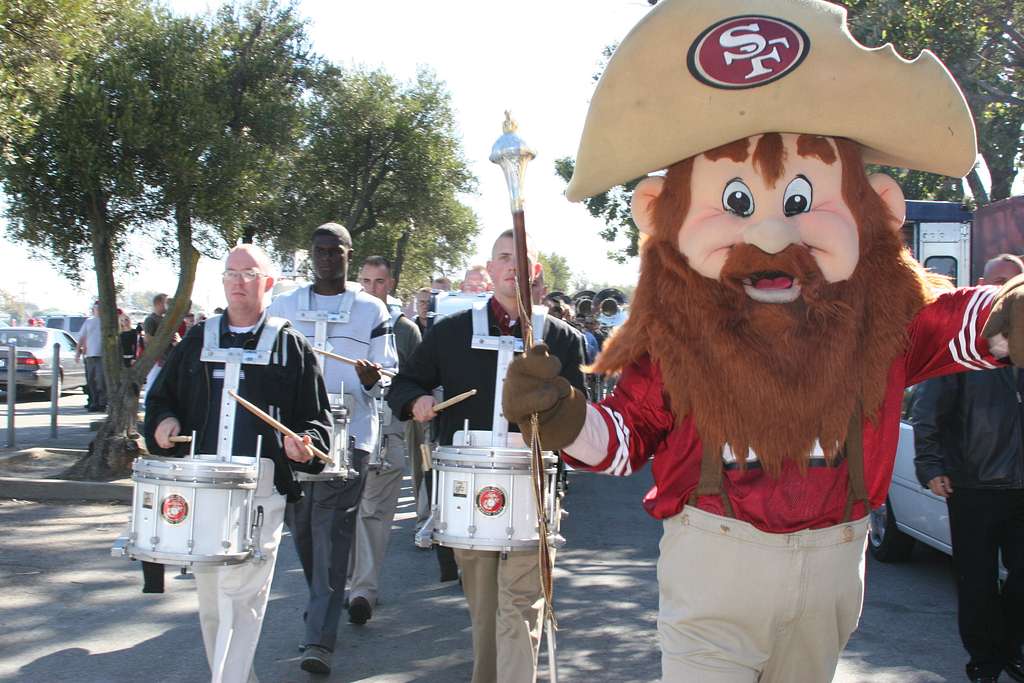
pixel 197 132
pixel 557 274
pixel 384 159
pixel 983 47
pixel 39 41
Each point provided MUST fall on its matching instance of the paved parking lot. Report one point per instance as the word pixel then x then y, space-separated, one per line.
pixel 70 612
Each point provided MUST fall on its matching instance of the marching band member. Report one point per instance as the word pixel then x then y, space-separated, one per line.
pixel 190 395
pixel 357 325
pixel 400 442
pixel 503 589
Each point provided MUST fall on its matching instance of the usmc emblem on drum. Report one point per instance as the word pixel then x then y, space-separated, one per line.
pixel 748 51
pixel 491 500
pixel 174 509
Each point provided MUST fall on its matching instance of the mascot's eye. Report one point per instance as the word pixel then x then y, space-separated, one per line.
pixel 798 196
pixel 737 198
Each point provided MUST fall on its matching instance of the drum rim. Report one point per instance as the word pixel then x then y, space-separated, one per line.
pixel 160 557
pixel 160 461
pixel 474 543
pixel 232 483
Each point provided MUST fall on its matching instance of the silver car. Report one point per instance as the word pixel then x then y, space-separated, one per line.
pixel 34 349
pixel 910 513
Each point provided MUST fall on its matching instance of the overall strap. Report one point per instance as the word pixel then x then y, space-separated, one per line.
pixel 711 475
pixel 857 490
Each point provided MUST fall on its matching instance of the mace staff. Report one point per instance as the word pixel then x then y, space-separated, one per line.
pixel 512 154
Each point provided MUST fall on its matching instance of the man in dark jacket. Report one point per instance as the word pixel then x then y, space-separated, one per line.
pixel 503 589
pixel 280 375
pixel 969 450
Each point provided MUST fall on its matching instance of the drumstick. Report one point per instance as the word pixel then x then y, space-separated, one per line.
pixel 180 439
pixel 453 400
pixel 278 426
pixel 343 359
pixel 425 455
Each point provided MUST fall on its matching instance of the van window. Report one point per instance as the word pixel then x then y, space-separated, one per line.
pixel 75 323
pixel 942 265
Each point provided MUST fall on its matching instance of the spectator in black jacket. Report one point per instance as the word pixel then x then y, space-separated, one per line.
pixel 186 397
pixel 969 450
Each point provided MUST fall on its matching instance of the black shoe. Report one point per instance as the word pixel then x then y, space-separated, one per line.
pixel 1015 669
pixel 359 610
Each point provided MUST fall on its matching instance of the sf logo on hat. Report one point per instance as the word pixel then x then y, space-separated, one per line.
pixel 745 52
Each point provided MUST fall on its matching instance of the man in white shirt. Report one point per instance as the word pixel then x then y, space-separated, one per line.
pixel 90 345
pixel 358 326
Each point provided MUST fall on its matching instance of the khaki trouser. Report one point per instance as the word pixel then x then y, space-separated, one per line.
pixel 505 605
pixel 376 515
pixel 738 605
pixel 414 436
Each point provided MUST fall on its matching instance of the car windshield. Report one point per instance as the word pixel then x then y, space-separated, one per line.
pixel 24 338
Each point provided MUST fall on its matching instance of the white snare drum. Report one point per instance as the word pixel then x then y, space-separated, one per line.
pixel 193 511
pixel 483 498
pixel 341 445
pixel 377 460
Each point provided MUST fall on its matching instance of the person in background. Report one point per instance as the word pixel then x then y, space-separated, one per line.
pixel 149 328
pixel 422 309
pixel 128 339
pixel 90 345
pixel 400 444
pixel 968 449
pixel 441 284
pixel 476 280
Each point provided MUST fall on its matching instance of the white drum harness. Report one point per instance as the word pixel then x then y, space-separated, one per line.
pixel 507 347
pixel 233 360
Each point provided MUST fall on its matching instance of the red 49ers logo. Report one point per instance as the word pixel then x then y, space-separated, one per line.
pixel 748 51
pixel 490 500
pixel 174 509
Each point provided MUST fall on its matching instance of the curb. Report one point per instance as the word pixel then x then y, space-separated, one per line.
pixel 65 489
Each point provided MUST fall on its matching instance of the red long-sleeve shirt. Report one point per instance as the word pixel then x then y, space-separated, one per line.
pixel 944 337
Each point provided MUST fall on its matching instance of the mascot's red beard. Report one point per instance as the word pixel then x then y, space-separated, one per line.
pixel 773 377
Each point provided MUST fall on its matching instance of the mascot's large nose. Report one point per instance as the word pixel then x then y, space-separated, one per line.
pixel 772 235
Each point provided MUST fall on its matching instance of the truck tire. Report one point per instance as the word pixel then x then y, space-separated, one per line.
pixel 887 543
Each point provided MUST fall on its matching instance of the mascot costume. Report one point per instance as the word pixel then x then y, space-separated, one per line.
pixel 777 319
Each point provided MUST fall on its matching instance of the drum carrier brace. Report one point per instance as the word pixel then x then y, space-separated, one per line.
pixel 507 347
pixel 320 320
pixel 233 360
pixel 307 314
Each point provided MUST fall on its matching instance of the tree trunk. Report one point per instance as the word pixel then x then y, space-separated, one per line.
pixel 118 443
pixel 1002 181
pixel 400 249
pixel 977 189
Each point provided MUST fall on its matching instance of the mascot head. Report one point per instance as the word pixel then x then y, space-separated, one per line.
pixel 775 290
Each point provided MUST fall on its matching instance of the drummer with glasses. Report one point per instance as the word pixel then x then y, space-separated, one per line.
pixel 503 589
pixel 187 398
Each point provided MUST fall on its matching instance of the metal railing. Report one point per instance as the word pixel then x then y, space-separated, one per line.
pixel 12 391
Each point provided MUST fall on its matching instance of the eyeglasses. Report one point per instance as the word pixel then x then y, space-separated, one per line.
pixel 247 276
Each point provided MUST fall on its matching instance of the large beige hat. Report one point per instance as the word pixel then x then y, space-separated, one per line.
pixel 696 74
